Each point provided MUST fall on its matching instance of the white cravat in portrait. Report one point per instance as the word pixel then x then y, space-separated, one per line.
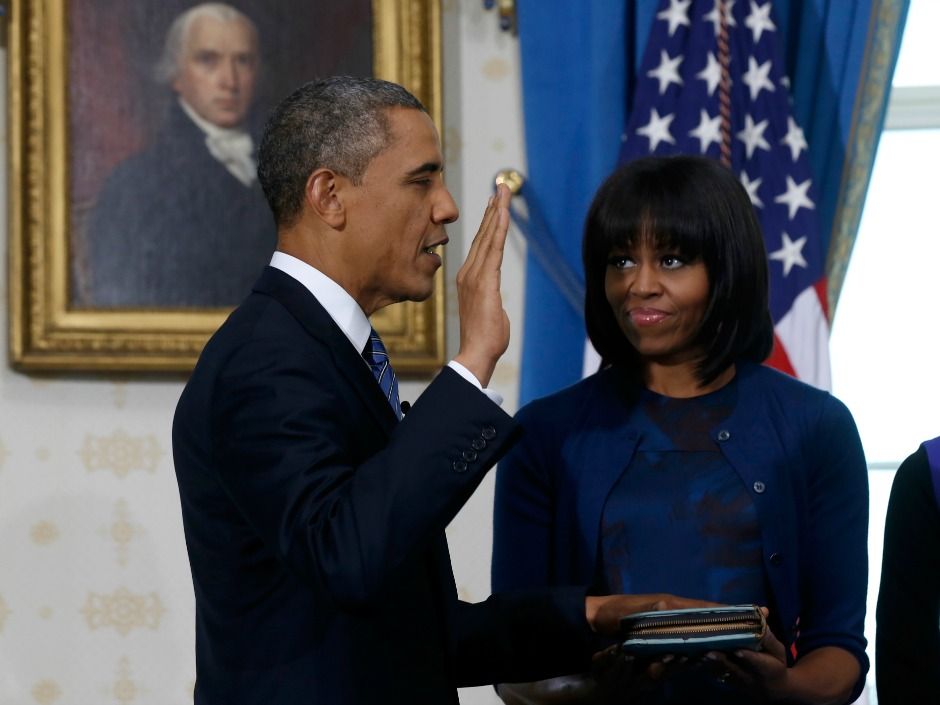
pixel 231 146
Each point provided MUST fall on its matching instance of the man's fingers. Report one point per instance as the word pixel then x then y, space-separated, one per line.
pixel 493 228
pixel 494 238
pixel 488 214
pixel 490 255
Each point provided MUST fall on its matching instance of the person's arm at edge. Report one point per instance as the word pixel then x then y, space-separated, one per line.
pixel 908 638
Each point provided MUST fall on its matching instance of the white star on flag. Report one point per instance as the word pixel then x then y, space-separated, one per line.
pixel 715 15
pixel 791 253
pixel 751 188
pixel 794 138
pixel 759 20
pixel 676 14
pixel 753 135
pixel 667 72
pixel 756 77
pixel 657 129
pixel 795 196
pixel 711 74
pixel 708 130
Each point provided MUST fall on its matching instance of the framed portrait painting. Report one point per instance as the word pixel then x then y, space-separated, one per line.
pixel 136 218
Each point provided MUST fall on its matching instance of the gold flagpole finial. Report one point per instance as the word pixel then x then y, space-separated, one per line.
pixel 512 178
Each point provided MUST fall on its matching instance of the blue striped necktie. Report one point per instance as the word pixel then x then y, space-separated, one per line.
pixel 377 357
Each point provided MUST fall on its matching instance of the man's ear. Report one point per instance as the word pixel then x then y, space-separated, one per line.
pixel 324 196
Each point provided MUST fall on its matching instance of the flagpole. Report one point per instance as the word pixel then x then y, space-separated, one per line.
pixel 724 88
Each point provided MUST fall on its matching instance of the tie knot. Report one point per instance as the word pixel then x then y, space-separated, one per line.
pixel 375 352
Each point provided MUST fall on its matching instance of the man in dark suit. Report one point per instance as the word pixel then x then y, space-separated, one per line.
pixel 184 223
pixel 314 516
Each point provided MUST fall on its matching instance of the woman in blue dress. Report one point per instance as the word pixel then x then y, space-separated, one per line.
pixel 686 467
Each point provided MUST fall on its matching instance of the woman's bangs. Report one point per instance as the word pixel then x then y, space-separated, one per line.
pixel 663 231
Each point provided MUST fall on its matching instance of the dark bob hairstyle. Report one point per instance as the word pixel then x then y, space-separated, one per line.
pixel 696 207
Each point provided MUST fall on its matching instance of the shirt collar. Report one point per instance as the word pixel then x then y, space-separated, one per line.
pixel 340 306
pixel 211 129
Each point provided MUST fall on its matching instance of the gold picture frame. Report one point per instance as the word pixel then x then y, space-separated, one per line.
pixel 48 332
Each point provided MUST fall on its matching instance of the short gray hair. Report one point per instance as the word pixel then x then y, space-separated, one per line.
pixel 339 123
pixel 169 62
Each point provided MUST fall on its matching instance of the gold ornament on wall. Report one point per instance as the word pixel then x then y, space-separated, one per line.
pixel 121 531
pixel 496 68
pixel 506 11
pixel 44 533
pixel 46 692
pixel 121 453
pixel 123 610
pixel 124 689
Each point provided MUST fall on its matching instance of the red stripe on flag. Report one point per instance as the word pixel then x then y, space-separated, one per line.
pixel 778 359
pixel 822 291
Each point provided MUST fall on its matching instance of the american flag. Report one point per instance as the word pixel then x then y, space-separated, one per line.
pixel 712 82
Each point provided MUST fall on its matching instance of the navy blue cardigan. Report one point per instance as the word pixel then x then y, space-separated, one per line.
pixel 795 446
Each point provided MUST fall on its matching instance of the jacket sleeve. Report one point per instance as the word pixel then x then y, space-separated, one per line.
pixel 342 505
pixel 908 638
pixel 836 545
pixel 523 635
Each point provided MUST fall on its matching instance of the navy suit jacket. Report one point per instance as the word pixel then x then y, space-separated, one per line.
pixel 315 524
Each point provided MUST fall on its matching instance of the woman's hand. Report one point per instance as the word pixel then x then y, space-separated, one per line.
pixel 822 677
pixel 762 674
pixel 604 612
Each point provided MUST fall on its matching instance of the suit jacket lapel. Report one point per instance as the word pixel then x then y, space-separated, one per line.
pixel 304 306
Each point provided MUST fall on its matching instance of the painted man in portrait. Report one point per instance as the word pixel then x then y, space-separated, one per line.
pixel 184 223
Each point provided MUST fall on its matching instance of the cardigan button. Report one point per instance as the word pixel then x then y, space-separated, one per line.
pixel 460 466
pixel 724 434
pixel 759 487
pixel 776 558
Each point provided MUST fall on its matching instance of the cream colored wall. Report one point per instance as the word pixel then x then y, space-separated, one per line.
pixel 96 602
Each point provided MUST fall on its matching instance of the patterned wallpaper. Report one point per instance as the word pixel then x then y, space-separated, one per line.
pixel 96 602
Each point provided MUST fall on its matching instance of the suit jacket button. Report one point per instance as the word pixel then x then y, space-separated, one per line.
pixel 488 433
pixel 759 487
pixel 724 434
pixel 469 455
pixel 460 466
pixel 478 444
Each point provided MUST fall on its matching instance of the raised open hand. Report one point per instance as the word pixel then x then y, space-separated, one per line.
pixel 484 325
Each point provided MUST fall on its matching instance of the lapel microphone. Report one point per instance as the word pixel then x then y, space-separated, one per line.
pixel 405 406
